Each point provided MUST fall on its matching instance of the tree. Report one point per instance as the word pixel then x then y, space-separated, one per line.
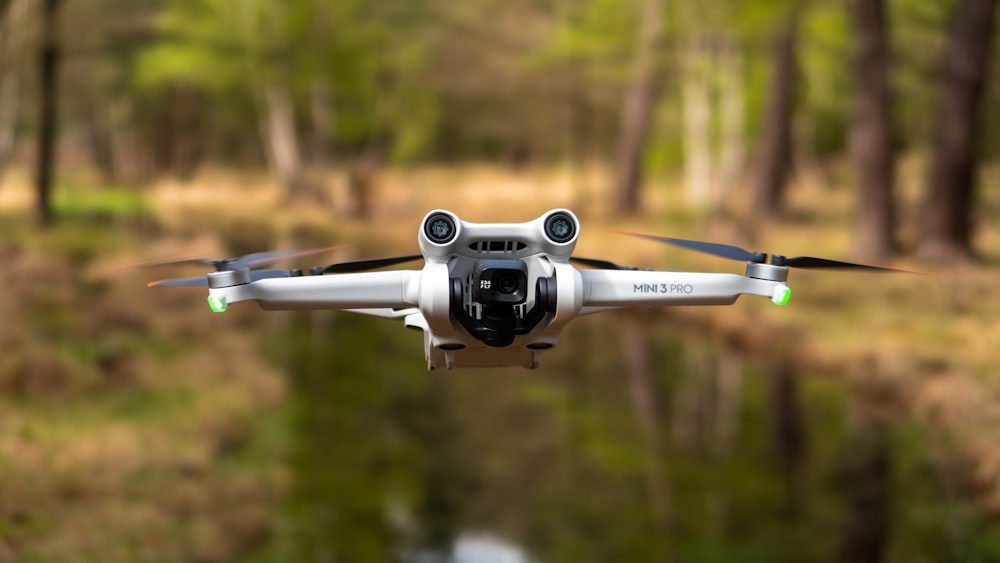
pixel 776 152
pixel 871 132
pixel 637 111
pixel 645 409
pixel 696 101
pixel 731 109
pixel 47 108
pixel 866 476
pixel 710 37
pixel 263 31
pixel 237 53
pixel 788 434
pixel 12 31
pixel 947 213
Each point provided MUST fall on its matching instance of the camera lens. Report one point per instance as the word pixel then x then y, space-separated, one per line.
pixel 507 284
pixel 500 282
pixel 439 228
pixel 560 227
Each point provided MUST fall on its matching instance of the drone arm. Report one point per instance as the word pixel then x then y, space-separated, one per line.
pixel 384 312
pixel 613 288
pixel 371 290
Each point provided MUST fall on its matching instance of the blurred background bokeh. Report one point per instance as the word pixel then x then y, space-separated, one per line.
pixel 857 424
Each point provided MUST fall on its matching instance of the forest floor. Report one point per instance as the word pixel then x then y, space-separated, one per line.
pixel 96 349
pixel 922 343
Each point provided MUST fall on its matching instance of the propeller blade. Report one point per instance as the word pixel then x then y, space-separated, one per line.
pixel 811 262
pixel 203 281
pixel 172 262
pixel 713 248
pixel 372 264
pixel 599 264
pixel 260 259
pixel 255 260
pixel 737 253
pixel 256 275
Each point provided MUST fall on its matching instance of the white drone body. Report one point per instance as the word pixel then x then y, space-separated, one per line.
pixel 494 294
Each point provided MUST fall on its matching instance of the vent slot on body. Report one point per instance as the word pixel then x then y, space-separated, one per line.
pixel 497 246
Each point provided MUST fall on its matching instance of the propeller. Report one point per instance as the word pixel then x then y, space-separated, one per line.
pixel 353 266
pixel 255 260
pixel 737 253
pixel 599 264
pixel 203 281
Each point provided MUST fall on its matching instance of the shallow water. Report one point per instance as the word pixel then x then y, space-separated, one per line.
pixel 633 442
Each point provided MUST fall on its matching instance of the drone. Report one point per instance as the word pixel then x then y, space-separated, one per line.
pixel 493 294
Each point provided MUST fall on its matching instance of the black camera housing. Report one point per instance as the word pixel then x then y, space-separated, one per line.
pixel 499 324
pixel 500 282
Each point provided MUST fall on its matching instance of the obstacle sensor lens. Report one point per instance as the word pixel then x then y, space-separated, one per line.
pixel 560 227
pixel 440 228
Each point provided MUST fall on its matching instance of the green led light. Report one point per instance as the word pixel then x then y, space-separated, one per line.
pixel 216 303
pixel 781 295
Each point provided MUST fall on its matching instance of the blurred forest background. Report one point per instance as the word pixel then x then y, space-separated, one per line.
pixel 735 96
pixel 135 426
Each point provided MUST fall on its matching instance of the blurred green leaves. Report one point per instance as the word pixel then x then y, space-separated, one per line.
pixel 437 80
pixel 363 54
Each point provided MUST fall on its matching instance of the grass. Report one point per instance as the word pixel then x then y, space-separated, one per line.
pixel 136 407
pixel 124 420
pixel 75 203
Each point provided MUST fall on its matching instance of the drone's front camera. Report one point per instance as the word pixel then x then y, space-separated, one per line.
pixel 560 227
pixel 440 228
pixel 501 282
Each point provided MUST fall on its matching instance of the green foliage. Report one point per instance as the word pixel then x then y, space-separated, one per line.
pixel 918 31
pixel 228 49
pixel 73 201
pixel 436 80
pixel 598 33
pixel 824 59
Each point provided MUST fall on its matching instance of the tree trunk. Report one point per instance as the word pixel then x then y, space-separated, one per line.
pixel 97 130
pixel 12 18
pixel 47 109
pixel 788 433
pixel 727 374
pixel 321 112
pixel 185 150
pixel 947 213
pixel 776 153
pixel 696 97
pixel 360 177
pixel 444 474
pixel 871 132
pixel 10 102
pixel 865 479
pixel 642 390
pixel 732 116
pixel 282 141
pixel 638 108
